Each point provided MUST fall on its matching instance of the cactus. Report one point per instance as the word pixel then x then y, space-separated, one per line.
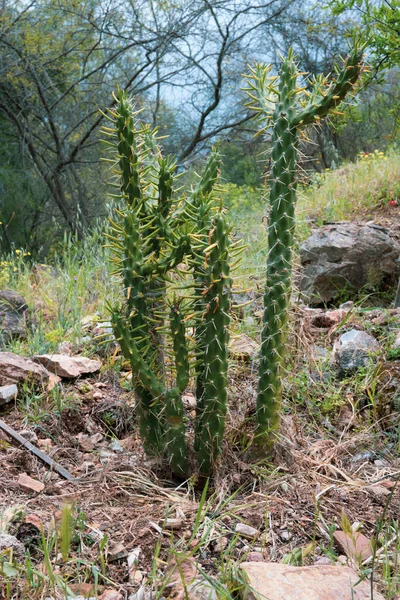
pixel 153 232
pixel 284 108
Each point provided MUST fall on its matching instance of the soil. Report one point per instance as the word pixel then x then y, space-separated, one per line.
pixel 323 467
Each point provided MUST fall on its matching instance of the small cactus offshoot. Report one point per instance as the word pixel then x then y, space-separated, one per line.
pixel 173 254
pixel 284 107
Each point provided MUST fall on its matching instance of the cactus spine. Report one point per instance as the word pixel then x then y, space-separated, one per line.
pixel 284 108
pixel 154 231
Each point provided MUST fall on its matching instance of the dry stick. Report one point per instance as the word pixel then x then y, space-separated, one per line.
pixel 44 457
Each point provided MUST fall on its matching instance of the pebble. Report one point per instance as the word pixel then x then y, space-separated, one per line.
pixel 285 536
pixel 246 530
pixel 220 544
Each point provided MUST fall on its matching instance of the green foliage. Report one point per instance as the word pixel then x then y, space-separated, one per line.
pixel 163 244
pixel 284 107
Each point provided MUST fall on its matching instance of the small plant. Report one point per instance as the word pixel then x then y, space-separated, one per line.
pixel 285 108
pixel 172 253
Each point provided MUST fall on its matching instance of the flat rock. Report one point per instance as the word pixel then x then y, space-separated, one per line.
pixel 8 393
pixel 13 315
pixel 68 367
pixel 29 484
pixel 354 349
pixel 356 545
pixel 243 348
pixel 246 531
pixel 276 581
pixel 17 369
pixel 350 256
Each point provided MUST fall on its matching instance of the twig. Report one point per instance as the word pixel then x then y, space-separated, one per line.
pixel 44 457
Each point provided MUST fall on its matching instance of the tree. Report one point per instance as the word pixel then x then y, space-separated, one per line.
pixel 61 59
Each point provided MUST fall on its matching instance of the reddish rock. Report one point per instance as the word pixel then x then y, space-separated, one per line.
pixel 68 367
pixel 29 484
pixel 17 369
pixel 356 545
pixel 277 581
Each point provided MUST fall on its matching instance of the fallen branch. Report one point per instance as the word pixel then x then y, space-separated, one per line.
pixel 44 457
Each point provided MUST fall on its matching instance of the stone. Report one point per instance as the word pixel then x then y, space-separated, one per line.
pixel 277 581
pixel 201 589
pixel 221 544
pixel 8 393
pixel 344 256
pixel 115 446
pixel 29 484
pixel 285 536
pixel 254 557
pixel 354 349
pixel 17 369
pixel 246 531
pixel 356 545
pixel 243 348
pixel 68 367
pixel 29 435
pixel 111 595
pixel 86 444
pixel 327 319
pixel 10 542
pixel 13 316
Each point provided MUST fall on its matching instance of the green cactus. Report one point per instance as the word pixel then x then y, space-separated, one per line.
pixel 152 234
pixel 284 108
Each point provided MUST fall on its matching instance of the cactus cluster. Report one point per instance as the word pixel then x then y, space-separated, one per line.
pixel 284 107
pixel 172 253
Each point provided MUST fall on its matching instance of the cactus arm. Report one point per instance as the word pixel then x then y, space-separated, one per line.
pixel 211 422
pixel 146 389
pixel 279 263
pixel 280 104
pixel 328 99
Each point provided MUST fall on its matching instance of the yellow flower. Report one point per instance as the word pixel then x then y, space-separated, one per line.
pixel 18 252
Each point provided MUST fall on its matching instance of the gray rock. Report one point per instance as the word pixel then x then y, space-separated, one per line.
pixel 10 542
pixel 354 349
pixel 246 531
pixel 115 446
pixel 201 589
pixel 346 255
pixel 8 393
pixel 13 315
pixel 29 435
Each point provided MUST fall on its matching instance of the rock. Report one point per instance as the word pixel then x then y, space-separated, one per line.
pixel 29 484
pixel 68 367
pixel 17 369
pixel 10 542
pixel 8 393
pixel 13 316
pixel 201 589
pixel 243 348
pixel 115 446
pixel 221 544
pixel 133 557
pixel 246 531
pixel 111 595
pixel 323 561
pixel 277 581
pixel 354 349
pixel 356 545
pixel 347 306
pixel 327 319
pixel 285 536
pixel 29 435
pixel 346 256
pixel 254 557
pixel 86 444
pixel 105 329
